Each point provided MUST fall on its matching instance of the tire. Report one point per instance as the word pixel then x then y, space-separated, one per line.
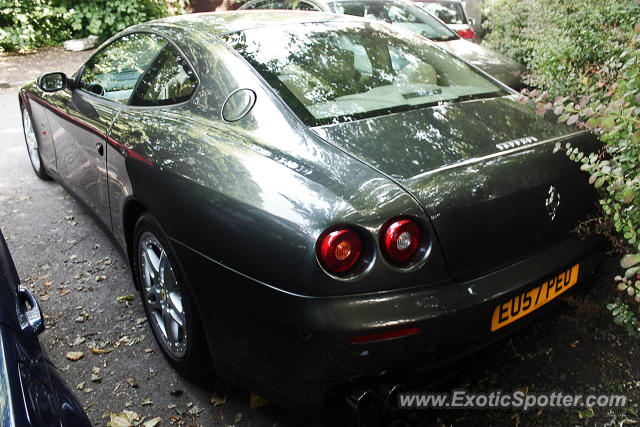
pixel 167 300
pixel 33 146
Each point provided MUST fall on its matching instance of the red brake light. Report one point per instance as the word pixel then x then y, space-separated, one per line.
pixel 339 250
pixel 400 240
pixel 467 33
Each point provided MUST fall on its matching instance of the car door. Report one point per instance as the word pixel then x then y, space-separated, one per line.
pixel 82 118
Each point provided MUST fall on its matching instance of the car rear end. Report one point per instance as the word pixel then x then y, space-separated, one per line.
pixel 497 210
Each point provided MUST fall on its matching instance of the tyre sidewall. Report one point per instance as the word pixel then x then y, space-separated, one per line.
pixel 40 173
pixel 197 351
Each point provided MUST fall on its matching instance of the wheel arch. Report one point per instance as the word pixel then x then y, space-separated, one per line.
pixel 132 210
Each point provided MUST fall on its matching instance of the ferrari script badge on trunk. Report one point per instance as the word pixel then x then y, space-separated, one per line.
pixel 553 202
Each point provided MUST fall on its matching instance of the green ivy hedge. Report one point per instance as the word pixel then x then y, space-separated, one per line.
pixel 583 58
pixel 29 24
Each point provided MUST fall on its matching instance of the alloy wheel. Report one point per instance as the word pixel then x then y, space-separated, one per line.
pixel 161 295
pixel 32 141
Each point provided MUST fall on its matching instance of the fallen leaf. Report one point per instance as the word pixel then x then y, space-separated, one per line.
pixel 95 350
pixel 123 419
pixel 141 320
pixel 123 298
pixel 147 402
pixel 96 378
pixel 132 382
pixel 195 410
pixel 88 390
pixel 100 278
pixel 586 413
pixel 257 401
pixel 47 283
pixel 239 417
pixel 80 386
pixel 78 341
pixel 75 355
pixel 95 370
pixel 218 398
pixel 153 422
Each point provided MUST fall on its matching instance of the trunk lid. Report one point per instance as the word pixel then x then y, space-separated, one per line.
pixel 483 171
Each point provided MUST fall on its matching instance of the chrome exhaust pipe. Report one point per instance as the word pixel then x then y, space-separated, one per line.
pixel 361 399
pixel 388 392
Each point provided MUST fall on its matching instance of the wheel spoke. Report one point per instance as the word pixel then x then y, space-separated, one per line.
pixel 153 261
pixel 176 301
pixel 170 326
pixel 177 316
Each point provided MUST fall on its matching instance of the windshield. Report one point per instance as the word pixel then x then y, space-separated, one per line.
pixel 449 12
pixel 405 15
pixel 329 72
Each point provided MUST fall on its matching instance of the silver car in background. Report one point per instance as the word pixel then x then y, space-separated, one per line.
pixel 413 17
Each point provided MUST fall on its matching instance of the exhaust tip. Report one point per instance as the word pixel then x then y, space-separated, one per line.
pixel 389 393
pixel 361 400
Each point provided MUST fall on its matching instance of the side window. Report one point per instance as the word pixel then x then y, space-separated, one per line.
pixel 303 5
pixel 268 4
pixel 169 80
pixel 114 71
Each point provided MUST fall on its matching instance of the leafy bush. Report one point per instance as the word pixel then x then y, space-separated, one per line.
pixel 584 59
pixel 27 24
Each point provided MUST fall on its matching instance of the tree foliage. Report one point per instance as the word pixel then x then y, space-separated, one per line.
pixel 583 57
pixel 28 24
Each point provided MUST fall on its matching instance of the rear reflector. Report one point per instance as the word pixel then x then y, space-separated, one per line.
pixel 384 336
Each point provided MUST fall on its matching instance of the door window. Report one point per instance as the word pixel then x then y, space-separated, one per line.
pixel 169 80
pixel 115 70
pixel 303 5
pixel 268 4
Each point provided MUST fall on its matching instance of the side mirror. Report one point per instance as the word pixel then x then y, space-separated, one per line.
pixel 53 82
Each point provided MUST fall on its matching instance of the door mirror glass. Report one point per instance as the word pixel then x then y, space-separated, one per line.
pixel 52 82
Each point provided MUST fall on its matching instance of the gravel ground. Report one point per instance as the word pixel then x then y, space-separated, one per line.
pixel 84 287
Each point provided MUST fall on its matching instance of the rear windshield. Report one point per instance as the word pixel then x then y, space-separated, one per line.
pixel 449 12
pixel 331 72
pixel 405 15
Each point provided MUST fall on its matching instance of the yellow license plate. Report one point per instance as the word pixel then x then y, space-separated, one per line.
pixel 523 304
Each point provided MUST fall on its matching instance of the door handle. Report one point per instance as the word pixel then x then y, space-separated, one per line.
pixel 100 148
pixel 29 314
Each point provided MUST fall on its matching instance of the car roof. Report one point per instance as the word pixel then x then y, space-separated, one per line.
pixel 219 23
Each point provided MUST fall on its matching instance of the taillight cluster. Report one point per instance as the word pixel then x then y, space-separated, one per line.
pixel 400 240
pixel 340 249
pixel 467 33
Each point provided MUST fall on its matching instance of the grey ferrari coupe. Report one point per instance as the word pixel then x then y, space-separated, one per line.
pixel 312 204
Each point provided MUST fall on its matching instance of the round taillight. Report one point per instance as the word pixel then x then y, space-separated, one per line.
pixel 339 250
pixel 400 240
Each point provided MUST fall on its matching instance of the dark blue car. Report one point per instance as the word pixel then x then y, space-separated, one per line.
pixel 31 391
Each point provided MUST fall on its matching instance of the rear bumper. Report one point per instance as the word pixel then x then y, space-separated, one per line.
pixel 294 349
